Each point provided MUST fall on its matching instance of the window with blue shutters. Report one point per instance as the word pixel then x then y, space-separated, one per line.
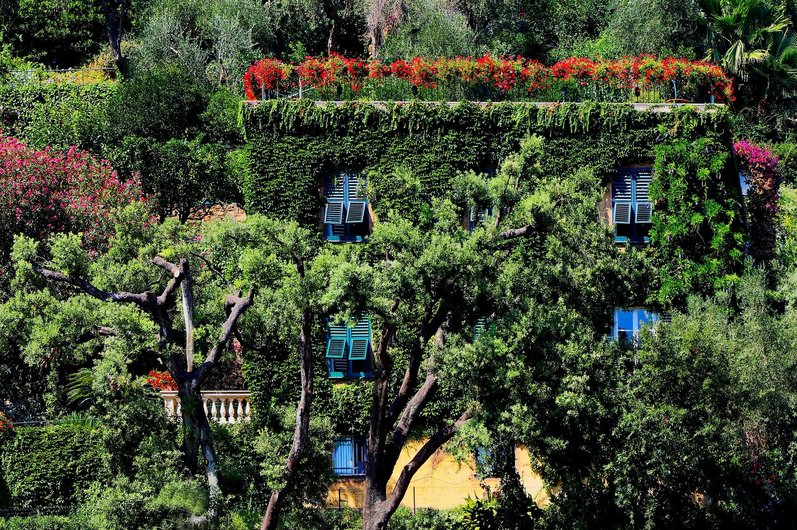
pixel 629 322
pixel 345 214
pixel 478 216
pixel 632 209
pixel 349 350
pixel 349 457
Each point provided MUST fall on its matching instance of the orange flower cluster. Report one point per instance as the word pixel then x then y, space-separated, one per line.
pixel 504 74
pixel 161 381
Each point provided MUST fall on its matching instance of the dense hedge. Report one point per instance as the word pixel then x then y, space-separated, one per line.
pixel 51 466
pixel 19 103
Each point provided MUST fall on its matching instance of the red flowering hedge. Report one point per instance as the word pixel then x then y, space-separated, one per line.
pixel 161 380
pixel 47 191
pixel 504 75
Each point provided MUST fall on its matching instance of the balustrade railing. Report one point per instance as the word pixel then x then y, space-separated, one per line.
pixel 221 406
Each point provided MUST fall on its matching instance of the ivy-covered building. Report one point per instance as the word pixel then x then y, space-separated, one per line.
pixel 664 178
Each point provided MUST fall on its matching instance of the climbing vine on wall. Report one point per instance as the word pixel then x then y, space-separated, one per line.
pixel 697 237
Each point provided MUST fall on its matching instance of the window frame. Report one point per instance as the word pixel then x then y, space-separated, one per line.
pixel 636 327
pixel 355 460
pixel 349 197
pixel 638 235
pixel 354 366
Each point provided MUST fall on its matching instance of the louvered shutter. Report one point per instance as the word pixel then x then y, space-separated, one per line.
pixel 356 211
pixel 335 192
pixel 360 339
pixel 337 346
pixel 622 196
pixel 622 213
pixel 644 213
pixel 478 328
pixel 644 176
pixel 622 186
pixel 333 215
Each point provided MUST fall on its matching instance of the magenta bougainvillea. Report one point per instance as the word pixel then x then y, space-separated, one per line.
pixel 505 74
pixel 760 169
pixel 46 191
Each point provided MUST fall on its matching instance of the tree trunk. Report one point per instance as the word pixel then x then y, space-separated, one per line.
pixel 211 468
pixel 114 11
pixel 192 410
pixel 302 431
pixel 332 41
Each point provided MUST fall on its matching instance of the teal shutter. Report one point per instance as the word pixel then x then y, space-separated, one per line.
pixel 644 213
pixel 335 193
pixel 622 197
pixel 337 346
pixel 478 328
pixel 360 339
pixel 643 209
pixel 333 214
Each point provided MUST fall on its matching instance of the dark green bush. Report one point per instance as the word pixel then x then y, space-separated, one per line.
pixel 49 466
pixel 162 104
pixel 43 522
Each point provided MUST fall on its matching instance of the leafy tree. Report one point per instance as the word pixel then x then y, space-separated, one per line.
pixel 429 29
pixel 56 33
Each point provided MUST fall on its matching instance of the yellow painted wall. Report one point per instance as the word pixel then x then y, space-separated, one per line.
pixel 440 483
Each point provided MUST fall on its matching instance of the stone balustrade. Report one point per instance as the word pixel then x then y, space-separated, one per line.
pixel 222 406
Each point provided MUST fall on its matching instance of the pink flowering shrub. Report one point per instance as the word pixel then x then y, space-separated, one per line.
pixel 47 191
pixel 760 168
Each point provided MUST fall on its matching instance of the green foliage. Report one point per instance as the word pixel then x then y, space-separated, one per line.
pixel 425 519
pixel 49 466
pixel 63 113
pixel 430 30
pixel 178 174
pixel 163 103
pixel 43 522
pixel 685 172
pixel 53 32
pixel 293 145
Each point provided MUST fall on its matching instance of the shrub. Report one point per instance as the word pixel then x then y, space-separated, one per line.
pixel 52 466
pixel 43 522
pixel 48 191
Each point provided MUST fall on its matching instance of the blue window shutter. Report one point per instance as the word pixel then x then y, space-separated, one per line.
pixel 644 212
pixel 335 188
pixel 622 213
pixel 360 339
pixel 643 177
pixel 355 213
pixel 333 214
pixel 343 457
pixel 622 185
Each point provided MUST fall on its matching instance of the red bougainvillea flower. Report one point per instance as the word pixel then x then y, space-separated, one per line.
pixel 264 74
pixel 161 381
pixel 581 69
pixel 502 73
